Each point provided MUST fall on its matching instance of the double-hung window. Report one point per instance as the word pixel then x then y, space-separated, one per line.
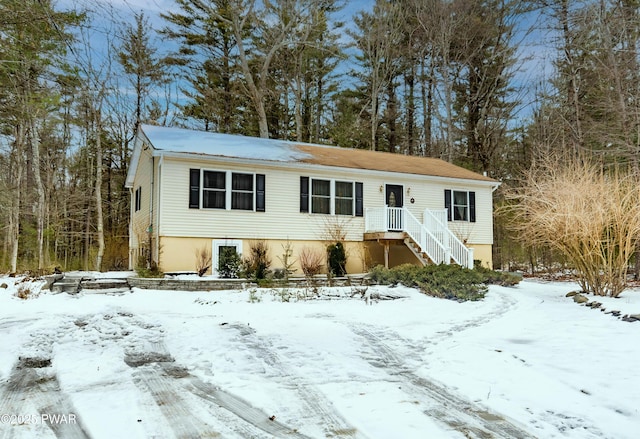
pixel 460 205
pixel 242 191
pixel 320 196
pixel 331 197
pixel 226 190
pixel 344 198
pixel 214 190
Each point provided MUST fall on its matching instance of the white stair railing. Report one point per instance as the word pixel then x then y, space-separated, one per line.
pixel 432 235
pixel 427 242
pixel 436 221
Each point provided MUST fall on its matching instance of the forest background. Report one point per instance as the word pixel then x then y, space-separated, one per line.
pixel 494 86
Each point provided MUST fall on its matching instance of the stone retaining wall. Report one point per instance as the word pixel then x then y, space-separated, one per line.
pixel 236 284
pixel 188 285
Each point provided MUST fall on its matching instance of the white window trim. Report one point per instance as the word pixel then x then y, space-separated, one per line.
pixel 332 196
pixel 228 182
pixel 215 250
pixel 353 197
pixel 453 206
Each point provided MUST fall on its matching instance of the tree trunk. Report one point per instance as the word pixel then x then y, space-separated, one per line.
pixel 40 204
pixel 98 192
pixel 14 217
pixel 573 97
pixel 411 109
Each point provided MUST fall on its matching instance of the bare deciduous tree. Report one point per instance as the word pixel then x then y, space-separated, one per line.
pixel 589 214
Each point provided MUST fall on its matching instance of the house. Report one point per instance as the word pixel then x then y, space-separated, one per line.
pixel 193 190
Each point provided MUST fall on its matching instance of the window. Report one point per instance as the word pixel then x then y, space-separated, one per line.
pixel 460 205
pixel 226 190
pixel 344 198
pixel 320 196
pixel 242 191
pixel 331 197
pixel 220 246
pixel 213 190
pixel 138 199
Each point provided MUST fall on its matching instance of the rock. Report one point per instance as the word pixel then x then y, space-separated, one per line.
pixel 50 280
pixel 634 316
pixel 616 313
pixel 572 293
pixel 579 298
pixel 4 285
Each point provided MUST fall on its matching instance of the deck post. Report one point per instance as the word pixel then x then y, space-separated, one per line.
pixel 386 254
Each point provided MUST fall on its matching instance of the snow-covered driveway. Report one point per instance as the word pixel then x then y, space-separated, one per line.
pixel 524 362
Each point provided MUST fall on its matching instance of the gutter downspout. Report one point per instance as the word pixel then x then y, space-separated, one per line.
pixel 157 222
pixel 131 212
pixel 150 230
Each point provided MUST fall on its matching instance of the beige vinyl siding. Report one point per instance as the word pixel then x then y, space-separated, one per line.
pixel 141 219
pixel 282 218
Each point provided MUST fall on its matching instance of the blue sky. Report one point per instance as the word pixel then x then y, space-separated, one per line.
pixel 535 51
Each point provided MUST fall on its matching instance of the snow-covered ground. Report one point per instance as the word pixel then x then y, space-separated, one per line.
pixel 524 362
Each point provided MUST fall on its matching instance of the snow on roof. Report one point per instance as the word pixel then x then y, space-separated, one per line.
pixel 225 145
pixel 179 140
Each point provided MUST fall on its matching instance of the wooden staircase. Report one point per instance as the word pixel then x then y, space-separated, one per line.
pixel 430 240
pixel 417 251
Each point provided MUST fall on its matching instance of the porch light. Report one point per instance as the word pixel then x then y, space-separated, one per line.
pixel 381 188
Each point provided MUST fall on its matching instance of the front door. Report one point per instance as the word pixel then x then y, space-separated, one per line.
pixel 394 200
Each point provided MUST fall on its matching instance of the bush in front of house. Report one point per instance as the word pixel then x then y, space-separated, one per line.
pixel 446 281
pixel 337 259
pixel 492 277
pixel 256 266
pixel 229 263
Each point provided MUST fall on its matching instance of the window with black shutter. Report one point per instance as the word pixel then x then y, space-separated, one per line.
pixel 472 207
pixel 304 194
pixel 138 200
pixel 242 191
pixel 359 199
pixel 194 188
pixel 226 190
pixel 214 189
pixel 460 205
pixel 260 193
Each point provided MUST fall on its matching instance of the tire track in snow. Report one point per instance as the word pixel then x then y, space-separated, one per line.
pixel 243 409
pixel 316 403
pixel 166 382
pixel 183 421
pixel 505 304
pixel 32 383
pixel 444 406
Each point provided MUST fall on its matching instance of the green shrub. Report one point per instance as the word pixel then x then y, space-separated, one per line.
pixel 445 281
pixel 229 263
pixel 337 259
pixel 153 270
pixel 256 266
pixel 491 277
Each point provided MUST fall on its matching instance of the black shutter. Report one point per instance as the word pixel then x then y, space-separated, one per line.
pixel 304 194
pixel 138 198
pixel 447 203
pixel 359 200
pixel 260 186
pixel 472 207
pixel 194 188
